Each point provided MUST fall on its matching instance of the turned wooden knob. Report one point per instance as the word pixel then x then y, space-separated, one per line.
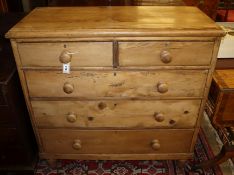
pixel 65 57
pixel 71 117
pixel 155 144
pixel 159 117
pixel 162 87
pixel 77 144
pixel 68 88
pixel 165 56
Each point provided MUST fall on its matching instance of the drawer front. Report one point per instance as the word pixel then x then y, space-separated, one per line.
pixel 170 83
pixel 63 141
pixel 53 54
pixel 165 53
pixel 116 114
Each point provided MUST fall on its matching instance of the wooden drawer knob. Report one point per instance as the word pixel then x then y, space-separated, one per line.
pixel 68 88
pixel 71 117
pixel 159 117
pixel 162 87
pixel 165 56
pixel 155 144
pixel 77 144
pixel 65 57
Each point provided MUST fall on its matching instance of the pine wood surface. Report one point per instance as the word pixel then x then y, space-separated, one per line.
pixel 117 57
pixel 151 156
pixel 115 21
pixel 119 38
pixel 189 83
pixel 206 91
pixel 82 53
pixel 116 141
pixel 116 113
pixel 130 53
pixel 148 53
pixel 25 92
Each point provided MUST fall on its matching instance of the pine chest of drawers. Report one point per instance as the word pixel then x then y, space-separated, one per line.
pixel 138 81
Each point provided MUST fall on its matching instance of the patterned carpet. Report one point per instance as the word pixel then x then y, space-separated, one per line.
pixel 146 167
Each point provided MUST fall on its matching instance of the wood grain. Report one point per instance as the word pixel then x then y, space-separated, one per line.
pixel 225 78
pixel 73 22
pixel 113 38
pixel 60 141
pixel 118 113
pixel 119 97
pixel 148 53
pixel 206 90
pixel 153 156
pixel 129 68
pixel 25 92
pixel 188 83
pixel 82 53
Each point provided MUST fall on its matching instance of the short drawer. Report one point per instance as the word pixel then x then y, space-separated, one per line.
pixel 54 54
pixel 165 53
pixel 91 84
pixel 116 113
pixel 63 141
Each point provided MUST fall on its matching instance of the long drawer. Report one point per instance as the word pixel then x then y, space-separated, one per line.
pixel 117 113
pixel 80 53
pixel 63 141
pixel 160 83
pixel 165 53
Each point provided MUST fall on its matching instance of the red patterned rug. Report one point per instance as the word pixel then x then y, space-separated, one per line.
pixel 144 167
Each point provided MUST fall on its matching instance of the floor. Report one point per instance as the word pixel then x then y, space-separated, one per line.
pixel 216 144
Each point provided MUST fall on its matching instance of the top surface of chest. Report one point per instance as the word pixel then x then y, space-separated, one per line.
pixel 224 79
pixel 114 21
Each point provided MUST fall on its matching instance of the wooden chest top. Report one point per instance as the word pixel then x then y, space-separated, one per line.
pixel 115 21
pixel 225 78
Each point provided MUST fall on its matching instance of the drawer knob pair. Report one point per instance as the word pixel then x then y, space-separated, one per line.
pixel 71 117
pixel 155 144
pixel 165 56
pixel 77 144
pixel 68 88
pixel 65 57
pixel 162 87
